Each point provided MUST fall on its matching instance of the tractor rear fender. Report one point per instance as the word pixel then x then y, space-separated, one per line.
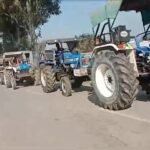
pixel 112 47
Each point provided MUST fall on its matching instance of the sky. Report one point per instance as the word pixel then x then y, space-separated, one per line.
pixel 75 19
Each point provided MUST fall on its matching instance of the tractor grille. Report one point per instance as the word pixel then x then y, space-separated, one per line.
pixel 50 56
pixel 24 71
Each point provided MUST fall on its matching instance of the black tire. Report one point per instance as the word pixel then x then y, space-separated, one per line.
pixel 126 83
pixel 13 83
pixel 37 75
pixel 1 79
pixel 66 86
pixel 7 77
pixel 47 75
pixel 77 83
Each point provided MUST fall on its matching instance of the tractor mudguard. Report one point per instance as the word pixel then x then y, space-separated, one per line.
pixel 129 51
pixel 112 47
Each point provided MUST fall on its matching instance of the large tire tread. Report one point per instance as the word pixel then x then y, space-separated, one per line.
pixel 1 79
pixel 68 86
pixel 128 83
pixel 50 79
pixel 8 75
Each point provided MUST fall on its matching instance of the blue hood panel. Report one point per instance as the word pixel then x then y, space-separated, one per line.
pixel 24 67
pixel 71 57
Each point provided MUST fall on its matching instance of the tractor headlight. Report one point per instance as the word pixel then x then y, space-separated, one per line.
pixel 141 54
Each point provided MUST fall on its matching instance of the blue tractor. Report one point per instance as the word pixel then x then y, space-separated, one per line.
pixel 17 68
pixel 60 62
pixel 143 59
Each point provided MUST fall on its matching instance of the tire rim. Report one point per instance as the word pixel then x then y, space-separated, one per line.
pixel 105 80
pixel 43 79
pixel 63 86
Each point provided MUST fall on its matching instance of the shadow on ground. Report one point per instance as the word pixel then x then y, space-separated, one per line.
pixel 83 88
pixel 142 96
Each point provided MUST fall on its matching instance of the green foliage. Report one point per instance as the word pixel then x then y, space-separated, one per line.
pixel 22 17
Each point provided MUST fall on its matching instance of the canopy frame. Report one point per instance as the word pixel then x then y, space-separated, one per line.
pixel 105 12
pixel 121 5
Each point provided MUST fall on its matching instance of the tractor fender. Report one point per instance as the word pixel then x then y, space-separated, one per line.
pixel 112 47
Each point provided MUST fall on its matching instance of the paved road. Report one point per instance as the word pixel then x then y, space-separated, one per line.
pixel 32 120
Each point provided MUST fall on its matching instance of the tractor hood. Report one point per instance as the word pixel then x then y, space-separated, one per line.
pixel 23 66
pixel 112 7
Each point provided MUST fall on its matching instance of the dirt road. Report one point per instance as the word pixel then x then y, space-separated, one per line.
pixel 32 120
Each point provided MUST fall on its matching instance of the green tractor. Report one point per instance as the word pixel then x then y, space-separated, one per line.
pixel 114 70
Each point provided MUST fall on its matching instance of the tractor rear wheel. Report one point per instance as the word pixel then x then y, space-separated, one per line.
pixel 1 78
pixel 13 82
pixel 66 86
pixel 114 81
pixel 7 78
pixel 48 79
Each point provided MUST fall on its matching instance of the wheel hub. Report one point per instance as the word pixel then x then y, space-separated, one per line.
pixel 109 80
pixel 105 80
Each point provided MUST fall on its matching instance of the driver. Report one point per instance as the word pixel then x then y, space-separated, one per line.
pixel 58 47
pixel 15 60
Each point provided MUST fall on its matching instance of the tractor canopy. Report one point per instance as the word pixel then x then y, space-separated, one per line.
pixel 65 43
pixel 112 7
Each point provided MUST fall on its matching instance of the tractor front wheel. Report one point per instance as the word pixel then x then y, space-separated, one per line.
pixel 48 79
pixel 13 82
pixel 1 78
pixel 7 78
pixel 66 86
pixel 114 81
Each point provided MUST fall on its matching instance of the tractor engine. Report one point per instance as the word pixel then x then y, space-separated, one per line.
pixel 23 68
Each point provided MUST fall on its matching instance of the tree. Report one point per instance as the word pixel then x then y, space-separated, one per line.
pixel 28 15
